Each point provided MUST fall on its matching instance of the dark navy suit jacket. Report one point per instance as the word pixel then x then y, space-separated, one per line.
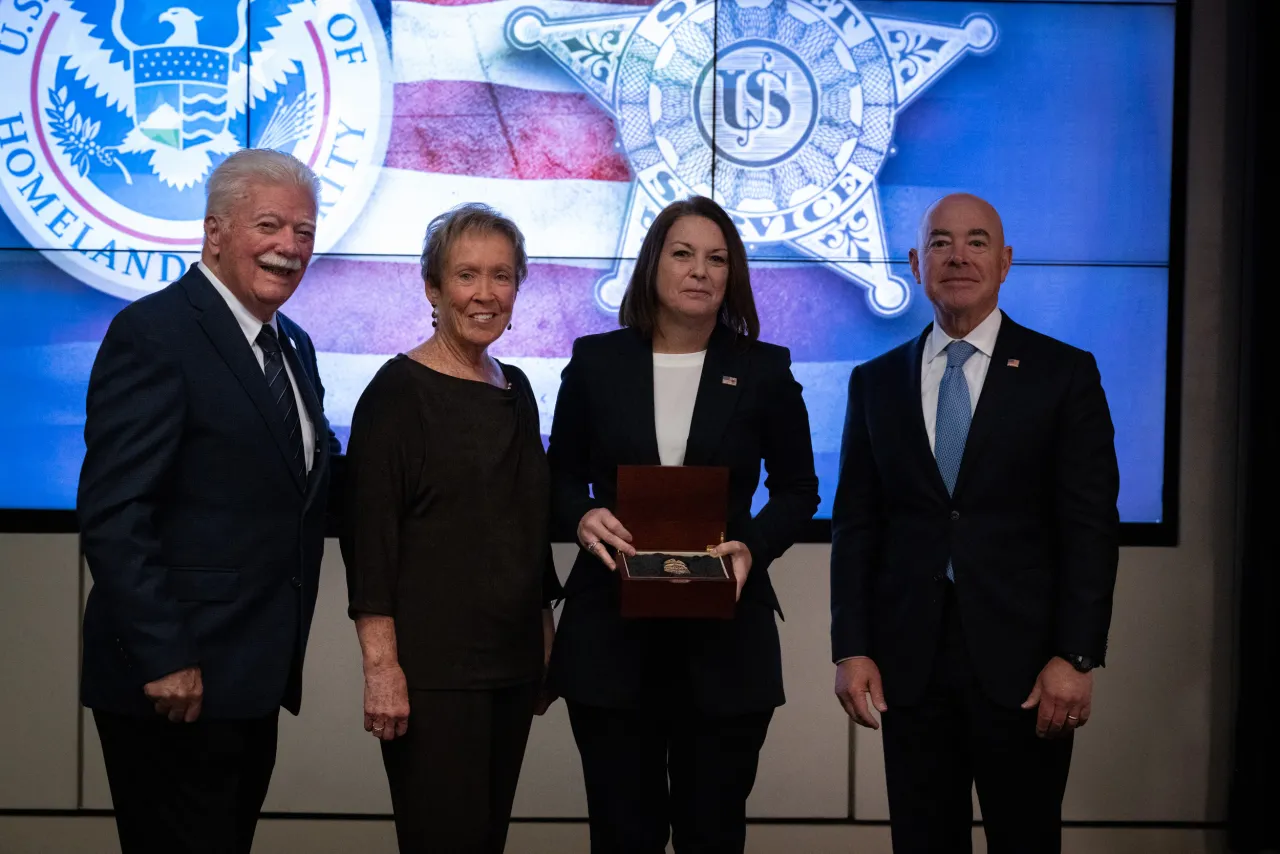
pixel 604 418
pixel 1031 528
pixel 203 543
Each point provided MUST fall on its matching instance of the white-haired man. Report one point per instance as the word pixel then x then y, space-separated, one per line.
pixel 201 505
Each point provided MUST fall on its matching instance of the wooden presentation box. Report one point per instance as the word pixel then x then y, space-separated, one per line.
pixel 677 511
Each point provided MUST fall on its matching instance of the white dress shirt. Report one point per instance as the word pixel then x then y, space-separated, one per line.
pixel 675 390
pixel 252 327
pixel 933 365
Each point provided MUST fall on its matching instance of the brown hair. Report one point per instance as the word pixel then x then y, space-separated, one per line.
pixel 640 303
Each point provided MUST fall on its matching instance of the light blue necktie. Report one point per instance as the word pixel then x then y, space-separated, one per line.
pixel 955 411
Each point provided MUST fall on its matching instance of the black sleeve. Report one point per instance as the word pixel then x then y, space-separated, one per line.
pixel 135 410
pixel 1087 488
pixel 384 460
pixel 569 451
pixel 788 462
pixel 857 528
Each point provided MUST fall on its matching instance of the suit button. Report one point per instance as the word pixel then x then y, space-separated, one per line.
pixel 296 582
pixel 955 514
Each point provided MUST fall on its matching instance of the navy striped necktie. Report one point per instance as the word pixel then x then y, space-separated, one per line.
pixel 282 394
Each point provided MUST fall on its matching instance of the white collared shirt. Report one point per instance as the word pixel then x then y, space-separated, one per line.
pixel 933 365
pixel 252 327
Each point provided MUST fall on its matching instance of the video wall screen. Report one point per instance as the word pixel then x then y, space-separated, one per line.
pixel 824 126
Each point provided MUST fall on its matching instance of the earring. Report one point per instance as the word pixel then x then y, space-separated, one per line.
pixel 434 318
pixel 510 326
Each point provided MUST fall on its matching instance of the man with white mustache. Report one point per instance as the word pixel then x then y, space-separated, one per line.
pixel 202 504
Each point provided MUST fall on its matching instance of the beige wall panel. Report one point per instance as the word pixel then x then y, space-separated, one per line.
pixel 39 667
pixel 804 766
pixel 326 762
pixel 551 779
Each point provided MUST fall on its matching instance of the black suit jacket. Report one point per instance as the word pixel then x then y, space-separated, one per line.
pixel 1032 527
pixel 203 543
pixel 605 418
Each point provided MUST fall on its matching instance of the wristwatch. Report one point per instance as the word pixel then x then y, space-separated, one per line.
pixel 1082 663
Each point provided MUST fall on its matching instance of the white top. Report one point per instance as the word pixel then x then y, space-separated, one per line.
pixel 675 390
pixel 934 364
pixel 252 327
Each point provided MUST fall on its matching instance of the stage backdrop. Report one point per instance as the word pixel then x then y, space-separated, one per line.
pixel 824 126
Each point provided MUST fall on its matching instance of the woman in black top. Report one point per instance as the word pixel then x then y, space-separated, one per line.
pixel 448 560
pixel 669 715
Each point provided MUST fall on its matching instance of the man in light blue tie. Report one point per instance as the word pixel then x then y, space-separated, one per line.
pixel 973 552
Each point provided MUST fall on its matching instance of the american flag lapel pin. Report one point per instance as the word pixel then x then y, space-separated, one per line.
pixel 729 380
pixel 1012 363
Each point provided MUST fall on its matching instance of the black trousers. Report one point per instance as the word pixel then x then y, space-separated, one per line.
pixel 956 737
pixel 651 775
pixel 195 788
pixel 453 775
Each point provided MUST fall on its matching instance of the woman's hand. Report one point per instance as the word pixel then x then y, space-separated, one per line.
pixel 386 701
pixel 739 561
pixel 599 528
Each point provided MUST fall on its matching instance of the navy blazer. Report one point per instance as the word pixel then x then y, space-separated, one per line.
pixel 1031 529
pixel 605 418
pixel 204 543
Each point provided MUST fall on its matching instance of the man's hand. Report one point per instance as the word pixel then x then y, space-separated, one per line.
pixel 855 679
pixel 1065 697
pixel 177 696
pixel 739 562
pixel 386 701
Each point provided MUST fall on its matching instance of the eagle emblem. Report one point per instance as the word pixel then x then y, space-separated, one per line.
pixel 122 108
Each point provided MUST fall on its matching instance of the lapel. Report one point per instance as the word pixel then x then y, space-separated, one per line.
pixel 716 399
pixel 635 384
pixel 997 394
pixel 319 427
pixel 919 438
pixel 228 339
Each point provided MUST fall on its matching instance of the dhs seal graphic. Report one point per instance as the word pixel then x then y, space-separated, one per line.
pixel 780 110
pixel 115 112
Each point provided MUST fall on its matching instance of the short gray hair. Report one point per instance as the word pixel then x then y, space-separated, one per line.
pixel 445 230
pixel 230 182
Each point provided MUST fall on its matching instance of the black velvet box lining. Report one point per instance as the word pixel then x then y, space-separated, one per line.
pixel 649 565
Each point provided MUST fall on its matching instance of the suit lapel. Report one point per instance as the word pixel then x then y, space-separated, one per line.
pixel 919 433
pixel 993 402
pixel 311 401
pixel 635 383
pixel 228 339
pixel 722 377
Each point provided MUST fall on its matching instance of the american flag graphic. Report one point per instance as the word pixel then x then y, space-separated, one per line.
pixel 477 120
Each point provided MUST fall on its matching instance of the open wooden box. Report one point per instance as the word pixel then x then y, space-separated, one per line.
pixel 675 510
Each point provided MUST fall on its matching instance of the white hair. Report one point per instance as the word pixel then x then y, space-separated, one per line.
pixel 230 182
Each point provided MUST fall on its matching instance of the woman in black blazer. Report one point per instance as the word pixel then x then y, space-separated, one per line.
pixel 685 382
